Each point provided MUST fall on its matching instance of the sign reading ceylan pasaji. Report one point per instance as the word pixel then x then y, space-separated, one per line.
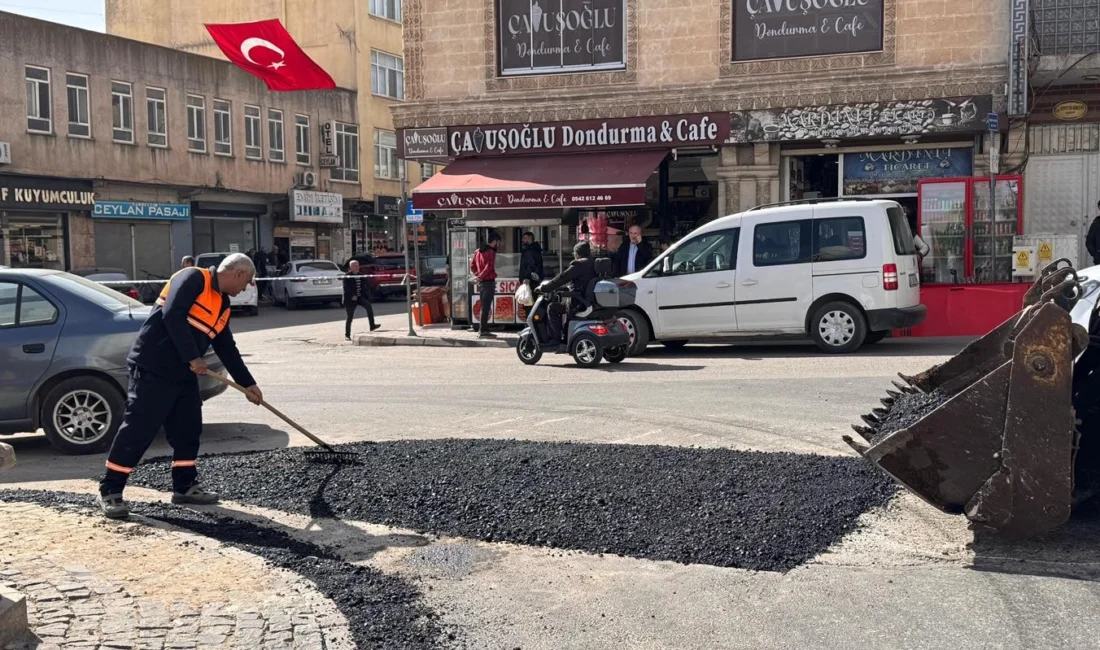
pixel 658 132
pixel 779 29
pixel 136 210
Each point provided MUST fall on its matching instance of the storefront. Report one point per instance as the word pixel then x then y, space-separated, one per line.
pixel 35 217
pixel 223 227
pixel 383 227
pixel 314 228
pixel 138 237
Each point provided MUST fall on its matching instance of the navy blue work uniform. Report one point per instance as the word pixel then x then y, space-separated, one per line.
pixel 190 316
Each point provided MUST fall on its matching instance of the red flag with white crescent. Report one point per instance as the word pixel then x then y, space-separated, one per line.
pixel 267 50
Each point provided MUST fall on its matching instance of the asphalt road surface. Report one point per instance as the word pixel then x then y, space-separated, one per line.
pixel 909 578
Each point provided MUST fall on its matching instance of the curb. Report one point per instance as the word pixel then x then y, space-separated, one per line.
pixel 369 340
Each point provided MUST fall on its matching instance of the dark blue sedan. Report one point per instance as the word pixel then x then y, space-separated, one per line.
pixel 63 346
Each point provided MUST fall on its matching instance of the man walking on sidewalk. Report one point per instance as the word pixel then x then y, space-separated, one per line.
pixel 356 294
pixel 191 315
pixel 484 269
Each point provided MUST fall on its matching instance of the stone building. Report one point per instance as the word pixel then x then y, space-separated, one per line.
pixel 116 153
pixel 358 42
pixel 789 100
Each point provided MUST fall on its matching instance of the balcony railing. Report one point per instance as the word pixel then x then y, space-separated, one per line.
pixel 1066 26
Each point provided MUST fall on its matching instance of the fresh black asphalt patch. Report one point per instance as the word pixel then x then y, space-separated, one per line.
pixel 750 510
pixel 382 611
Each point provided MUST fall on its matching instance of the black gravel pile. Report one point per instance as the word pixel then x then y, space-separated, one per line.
pixel 905 411
pixel 752 510
pixel 382 611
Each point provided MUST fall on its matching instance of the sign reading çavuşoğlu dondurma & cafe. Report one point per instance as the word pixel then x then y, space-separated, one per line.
pixel 546 36
pixel 778 29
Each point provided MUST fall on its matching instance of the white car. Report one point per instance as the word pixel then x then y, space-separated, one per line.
pixel 843 272
pixel 308 281
pixel 247 300
pixel 1090 285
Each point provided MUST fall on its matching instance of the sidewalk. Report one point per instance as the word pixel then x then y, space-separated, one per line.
pixel 395 328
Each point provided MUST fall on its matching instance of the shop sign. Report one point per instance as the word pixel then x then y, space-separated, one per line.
pixel 547 36
pixel 1071 111
pixel 387 206
pixel 537 198
pixel 135 210
pixel 5 153
pixel 328 138
pixel 319 207
pixel 590 135
pixel 780 29
pixel 423 143
pixel 916 117
pixel 45 193
pixel 897 172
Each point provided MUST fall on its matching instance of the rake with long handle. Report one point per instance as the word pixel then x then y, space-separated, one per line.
pixel 326 455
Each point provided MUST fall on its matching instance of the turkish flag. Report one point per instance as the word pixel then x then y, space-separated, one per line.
pixel 266 50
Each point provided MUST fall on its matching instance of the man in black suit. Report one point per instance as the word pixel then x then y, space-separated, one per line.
pixel 634 254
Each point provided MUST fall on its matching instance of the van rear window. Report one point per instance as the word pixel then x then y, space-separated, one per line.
pixel 903 236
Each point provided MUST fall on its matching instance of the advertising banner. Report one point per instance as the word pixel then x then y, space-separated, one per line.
pixel 897 172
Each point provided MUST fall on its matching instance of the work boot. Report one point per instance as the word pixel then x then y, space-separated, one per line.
pixel 486 334
pixel 196 495
pixel 113 507
pixel 374 326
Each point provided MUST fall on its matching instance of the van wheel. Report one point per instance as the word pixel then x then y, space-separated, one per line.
pixel 875 337
pixel 638 329
pixel 291 304
pixel 81 415
pixel 838 328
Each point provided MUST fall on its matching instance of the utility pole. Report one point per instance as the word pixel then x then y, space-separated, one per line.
pixel 405 230
pixel 994 169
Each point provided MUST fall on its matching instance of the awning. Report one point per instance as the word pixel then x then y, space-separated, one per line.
pixel 589 180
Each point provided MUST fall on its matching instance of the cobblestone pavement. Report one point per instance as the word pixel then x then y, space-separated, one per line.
pixel 92 584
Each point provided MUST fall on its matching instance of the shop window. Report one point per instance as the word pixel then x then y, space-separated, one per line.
pixel 156 105
pixel 692 193
pixel 196 123
pixel 35 242
pixel 122 107
pixel 223 128
pixel 427 170
pixel 714 251
pixel 840 238
pixel 777 244
pixel 387 75
pixel 253 133
pixel 347 149
pixel 276 151
pixel 386 164
pixel 80 122
pixel 301 140
pixel 813 177
pixel 39 118
pixel 388 9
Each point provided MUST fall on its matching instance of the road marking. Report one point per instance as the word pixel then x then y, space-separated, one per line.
pixel 493 424
pixel 639 437
pixel 553 421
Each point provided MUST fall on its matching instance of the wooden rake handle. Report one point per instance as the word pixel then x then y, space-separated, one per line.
pixel 229 382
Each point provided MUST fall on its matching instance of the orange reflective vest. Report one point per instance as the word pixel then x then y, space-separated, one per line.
pixel 206 314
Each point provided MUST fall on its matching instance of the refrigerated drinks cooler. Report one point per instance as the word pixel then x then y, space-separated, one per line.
pixel 953 218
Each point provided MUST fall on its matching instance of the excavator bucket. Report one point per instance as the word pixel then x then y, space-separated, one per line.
pixel 992 432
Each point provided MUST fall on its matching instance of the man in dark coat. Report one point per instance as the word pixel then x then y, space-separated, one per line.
pixel 634 254
pixel 580 272
pixel 1092 240
pixel 530 262
pixel 356 294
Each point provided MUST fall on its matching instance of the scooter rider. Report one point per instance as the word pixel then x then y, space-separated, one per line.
pixel 581 271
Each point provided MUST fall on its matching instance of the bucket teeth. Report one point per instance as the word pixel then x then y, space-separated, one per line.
pixel 860 449
pixel 893 394
pixel 879 412
pixel 908 390
pixel 887 401
pixel 864 432
pixel 869 419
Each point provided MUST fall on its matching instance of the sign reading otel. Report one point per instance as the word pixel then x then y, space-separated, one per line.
pixel 780 29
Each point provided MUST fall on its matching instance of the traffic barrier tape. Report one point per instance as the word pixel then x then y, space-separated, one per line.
pixel 404 279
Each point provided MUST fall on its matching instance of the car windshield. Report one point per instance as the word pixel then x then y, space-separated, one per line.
pixel 318 266
pixel 903 236
pixel 91 291
pixel 206 261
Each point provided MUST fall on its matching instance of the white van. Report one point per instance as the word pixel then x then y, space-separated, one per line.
pixel 843 272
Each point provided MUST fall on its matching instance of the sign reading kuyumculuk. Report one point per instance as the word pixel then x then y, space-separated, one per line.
pixel 424 143
pixel 779 29
pixel 136 210
pixel 317 207
pixel 45 193
pixel 546 36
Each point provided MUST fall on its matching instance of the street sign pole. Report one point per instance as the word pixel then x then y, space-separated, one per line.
pixel 405 230
pixel 994 169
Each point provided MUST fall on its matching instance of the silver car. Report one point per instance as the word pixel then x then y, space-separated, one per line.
pixel 63 346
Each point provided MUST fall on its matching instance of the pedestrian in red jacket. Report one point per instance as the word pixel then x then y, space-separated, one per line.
pixel 484 269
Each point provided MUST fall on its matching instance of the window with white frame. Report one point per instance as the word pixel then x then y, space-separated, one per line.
pixel 427 170
pixel 387 75
pixel 386 164
pixel 39 115
pixel 276 147
pixel 223 128
pixel 388 9
pixel 253 133
pixel 80 122
pixel 347 149
pixel 196 123
pixel 122 108
pixel 301 139
pixel 156 105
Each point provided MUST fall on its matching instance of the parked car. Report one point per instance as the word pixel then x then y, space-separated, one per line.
pixel 387 274
pixel 308 281
pixel 63 346
pixel 843 272
pixel 114 276
pixel 247 300
pixel 434 270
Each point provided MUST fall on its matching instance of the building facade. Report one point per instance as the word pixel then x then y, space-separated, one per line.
pixel 359 42
pixel 120 154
